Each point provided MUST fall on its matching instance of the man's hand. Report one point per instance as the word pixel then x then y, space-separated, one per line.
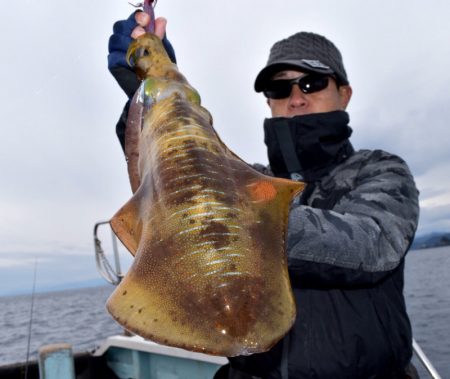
pixel 124 32
pixel 143 19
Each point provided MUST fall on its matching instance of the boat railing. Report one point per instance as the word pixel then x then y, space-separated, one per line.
pixel 104 267
pixel 421 356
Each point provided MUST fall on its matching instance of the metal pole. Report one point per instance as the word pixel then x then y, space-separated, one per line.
pixel 116 255
pixel 425 361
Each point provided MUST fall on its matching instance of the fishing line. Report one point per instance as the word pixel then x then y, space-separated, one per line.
pixel 31 318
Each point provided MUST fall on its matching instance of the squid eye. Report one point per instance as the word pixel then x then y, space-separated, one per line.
pixel 140 52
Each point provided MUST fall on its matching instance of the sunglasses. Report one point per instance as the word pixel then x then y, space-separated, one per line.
pixel 281 88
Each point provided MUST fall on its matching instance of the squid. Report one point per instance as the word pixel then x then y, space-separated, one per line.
pixel 207 231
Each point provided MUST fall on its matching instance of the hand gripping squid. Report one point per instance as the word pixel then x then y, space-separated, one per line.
pixel 207 231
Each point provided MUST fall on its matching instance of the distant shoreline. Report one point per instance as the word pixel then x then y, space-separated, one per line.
pixel 62 288
pixel 428 247
pixel 431 241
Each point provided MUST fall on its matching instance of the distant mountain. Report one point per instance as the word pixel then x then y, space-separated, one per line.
pixel 55 288
pixel 74 285
pixel 431 240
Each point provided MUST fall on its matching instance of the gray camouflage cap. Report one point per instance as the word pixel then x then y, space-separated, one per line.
pixel 306 51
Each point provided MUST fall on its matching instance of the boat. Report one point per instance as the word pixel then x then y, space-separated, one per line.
pixel 129 356
pixel 118 357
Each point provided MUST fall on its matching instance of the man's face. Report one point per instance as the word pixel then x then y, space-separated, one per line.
pixel 298 103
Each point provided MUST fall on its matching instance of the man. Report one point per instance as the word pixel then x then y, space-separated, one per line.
pixel 348 232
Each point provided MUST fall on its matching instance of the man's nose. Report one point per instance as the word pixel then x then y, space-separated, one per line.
pixel 297 98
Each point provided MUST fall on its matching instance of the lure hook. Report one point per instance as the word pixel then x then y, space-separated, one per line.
pixel 141 5
pixel 137 5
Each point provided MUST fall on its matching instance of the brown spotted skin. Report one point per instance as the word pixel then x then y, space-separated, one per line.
pixel 207 230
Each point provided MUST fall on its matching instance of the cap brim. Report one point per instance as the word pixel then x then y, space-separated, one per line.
pixel 267 72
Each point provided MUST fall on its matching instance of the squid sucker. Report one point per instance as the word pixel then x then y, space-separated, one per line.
pixel 206 229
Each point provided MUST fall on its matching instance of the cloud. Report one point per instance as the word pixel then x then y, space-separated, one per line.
pixel 63 169
pixel 16 262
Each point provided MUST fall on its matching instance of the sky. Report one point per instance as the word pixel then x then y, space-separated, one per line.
pixel 61 165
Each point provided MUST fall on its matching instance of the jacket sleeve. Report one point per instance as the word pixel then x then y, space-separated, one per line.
pixel 122 125
pixel 364 237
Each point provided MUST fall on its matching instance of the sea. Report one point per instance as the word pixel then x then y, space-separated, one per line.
pixel 79 317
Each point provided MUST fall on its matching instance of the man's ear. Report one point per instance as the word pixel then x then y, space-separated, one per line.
pixel 345 93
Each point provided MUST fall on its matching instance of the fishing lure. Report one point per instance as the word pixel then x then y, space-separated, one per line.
pixel 147 7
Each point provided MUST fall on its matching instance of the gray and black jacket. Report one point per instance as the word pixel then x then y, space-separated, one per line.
pixel 347 239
